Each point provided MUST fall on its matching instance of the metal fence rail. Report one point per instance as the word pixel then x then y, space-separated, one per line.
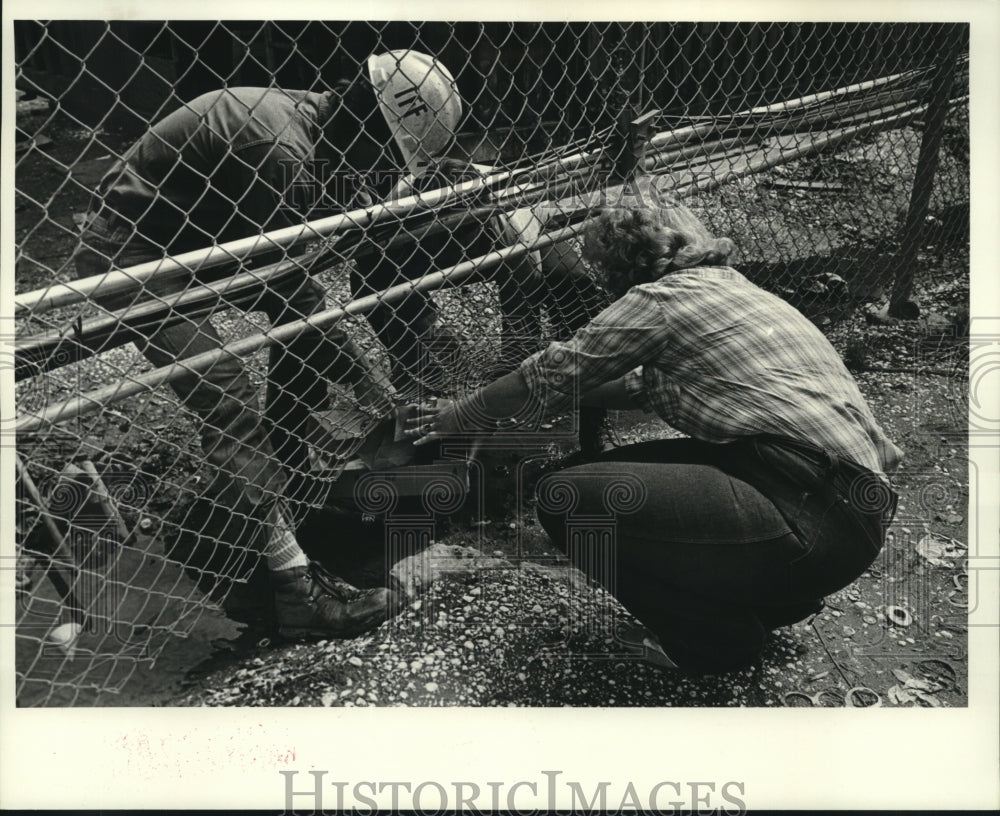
pixel 808 145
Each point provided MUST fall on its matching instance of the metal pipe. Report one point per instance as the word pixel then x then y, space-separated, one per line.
pixel 824 116
pixel 42 352
pixel 665 158
pixel 108 504
pixel 822 96
pixel 179 266
pixel 810 147
pixel 99 398
pixel 55 571
pixel 682 135
pixel 38 353
pixel 205 297
pixel 176 266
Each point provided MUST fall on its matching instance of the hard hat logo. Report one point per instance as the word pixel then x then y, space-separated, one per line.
pixel 411 102
pixel 420 102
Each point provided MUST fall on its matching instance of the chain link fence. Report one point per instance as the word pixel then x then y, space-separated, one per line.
pixel 169 362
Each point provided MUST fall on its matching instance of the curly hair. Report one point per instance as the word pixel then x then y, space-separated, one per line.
pixel 638 244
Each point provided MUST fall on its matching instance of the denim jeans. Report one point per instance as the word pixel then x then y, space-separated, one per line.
pixel 714 545
pixel 244 447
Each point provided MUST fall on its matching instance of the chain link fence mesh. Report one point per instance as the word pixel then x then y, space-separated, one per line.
pixel 799 142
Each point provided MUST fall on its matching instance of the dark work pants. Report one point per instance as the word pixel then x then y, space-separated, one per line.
pixel 714 545
pixel 245 447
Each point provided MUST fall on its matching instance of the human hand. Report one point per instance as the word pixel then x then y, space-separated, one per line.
pixel 430 421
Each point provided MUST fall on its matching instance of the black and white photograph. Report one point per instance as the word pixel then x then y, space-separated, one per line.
pixel 488 364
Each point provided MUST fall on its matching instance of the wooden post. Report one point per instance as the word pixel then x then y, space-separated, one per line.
pixel 900 304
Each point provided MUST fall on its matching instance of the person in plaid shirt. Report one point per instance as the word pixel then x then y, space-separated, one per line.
pixel 778 494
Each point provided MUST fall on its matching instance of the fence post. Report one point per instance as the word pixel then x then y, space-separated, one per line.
pixel 900 304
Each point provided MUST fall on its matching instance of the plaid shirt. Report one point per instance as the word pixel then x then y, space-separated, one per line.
pixel 717 358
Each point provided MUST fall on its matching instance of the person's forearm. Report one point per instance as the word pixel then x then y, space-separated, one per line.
pixel 611 395
pixel 504 401
pixel 509 398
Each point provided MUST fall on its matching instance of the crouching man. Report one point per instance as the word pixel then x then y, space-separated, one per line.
pixel 227 165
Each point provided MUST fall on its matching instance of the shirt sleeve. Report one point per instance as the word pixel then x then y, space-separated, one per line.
pixel 627 334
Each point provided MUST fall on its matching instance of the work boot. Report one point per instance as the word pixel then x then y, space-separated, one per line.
pixel 334 585
pixel 304 608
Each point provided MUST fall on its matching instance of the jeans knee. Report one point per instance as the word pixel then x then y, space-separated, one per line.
pixel 557 495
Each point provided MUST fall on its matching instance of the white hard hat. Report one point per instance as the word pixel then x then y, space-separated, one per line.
pixel 419 100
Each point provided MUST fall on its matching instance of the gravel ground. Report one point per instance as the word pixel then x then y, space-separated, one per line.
pixel 485 632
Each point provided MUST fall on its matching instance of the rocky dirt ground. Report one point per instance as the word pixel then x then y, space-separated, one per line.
pixel 511 625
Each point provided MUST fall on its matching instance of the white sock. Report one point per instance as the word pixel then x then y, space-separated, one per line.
pixel 283 551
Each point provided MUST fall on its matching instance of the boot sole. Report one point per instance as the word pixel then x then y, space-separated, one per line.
pixel 303 633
